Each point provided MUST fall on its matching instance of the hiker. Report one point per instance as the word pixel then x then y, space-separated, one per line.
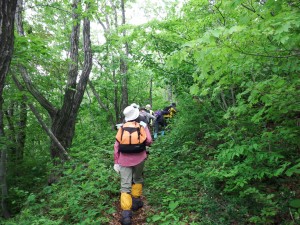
pixel 159 123
pixel 149 110
pixel 170 111
pixel 129 157
pixel 147 115
pixel 144 115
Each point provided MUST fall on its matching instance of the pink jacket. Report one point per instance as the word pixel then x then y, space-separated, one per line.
pixel 132 159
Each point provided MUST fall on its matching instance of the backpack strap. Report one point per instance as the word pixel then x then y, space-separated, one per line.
pixel 122 132
pixel 139 132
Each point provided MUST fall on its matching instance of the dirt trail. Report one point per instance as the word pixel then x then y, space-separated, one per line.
pixel 139 217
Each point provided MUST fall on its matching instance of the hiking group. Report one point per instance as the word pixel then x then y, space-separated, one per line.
pixel 130 152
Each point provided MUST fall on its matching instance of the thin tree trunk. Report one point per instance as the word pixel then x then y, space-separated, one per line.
pixel 123 62
pixel 17 133
pixel 150 90
pixel 110 116
pixel 232 95
pixel 119 103
pixel 4 189
pixel 116 99
pixel 169 94
pixel 224 100
pixel 21 134
pixel 115 14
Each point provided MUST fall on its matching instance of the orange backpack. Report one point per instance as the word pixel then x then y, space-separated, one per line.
pixel 132 137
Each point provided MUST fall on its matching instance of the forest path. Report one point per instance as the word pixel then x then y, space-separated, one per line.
pixel 139 217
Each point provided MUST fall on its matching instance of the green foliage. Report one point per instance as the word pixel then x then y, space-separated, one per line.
pixel 173 168
pixel 245 67
pixel 231 154
pixel 85 192
pixel 295 203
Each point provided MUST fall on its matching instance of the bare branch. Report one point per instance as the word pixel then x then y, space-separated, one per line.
pixel 101 23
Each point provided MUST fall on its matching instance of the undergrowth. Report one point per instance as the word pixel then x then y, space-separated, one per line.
pixel 85 191
pixel 189 180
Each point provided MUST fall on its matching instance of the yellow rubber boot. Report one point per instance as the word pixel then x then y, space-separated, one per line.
pixel 136 192
pixel 126 201
pixel 126 205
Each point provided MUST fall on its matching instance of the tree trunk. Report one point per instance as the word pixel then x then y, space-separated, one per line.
pixel 64 119
pixel 116 99
pixel 123 63
pixel 17 134
pixel 21 134
pixel 64 122
pixel 7 15
pixel 120 96
pixel 18 130
pixel 170 93
pixel 42 123
pixel 150 91
pixel 107 31
pixel 110 116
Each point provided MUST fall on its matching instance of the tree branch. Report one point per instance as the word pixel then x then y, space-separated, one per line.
pixel 87 66
pixel 42 123
pixel 252 10
pixel 50 6
pixel 263 55
pixel 218 9
pixel 101 23
pixel 36 94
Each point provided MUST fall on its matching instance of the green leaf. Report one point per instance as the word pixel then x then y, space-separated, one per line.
pixel 156 218
pixel 295 203
pixel 284 28
pixel 293 170
pixel 215 33
pixel 235 29
pixel 173 205
pixel 194 90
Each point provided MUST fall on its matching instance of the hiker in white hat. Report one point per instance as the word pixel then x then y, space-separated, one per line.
pixel 129 158
pixel 131 113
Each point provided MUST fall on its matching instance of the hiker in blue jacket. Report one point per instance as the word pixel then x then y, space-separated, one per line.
pixel 159 123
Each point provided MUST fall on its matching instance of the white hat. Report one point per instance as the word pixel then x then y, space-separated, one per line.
pixel 148 106
pixel 131 113
pixel 135 105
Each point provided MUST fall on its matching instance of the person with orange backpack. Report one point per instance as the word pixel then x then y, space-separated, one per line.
pixel 129 157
